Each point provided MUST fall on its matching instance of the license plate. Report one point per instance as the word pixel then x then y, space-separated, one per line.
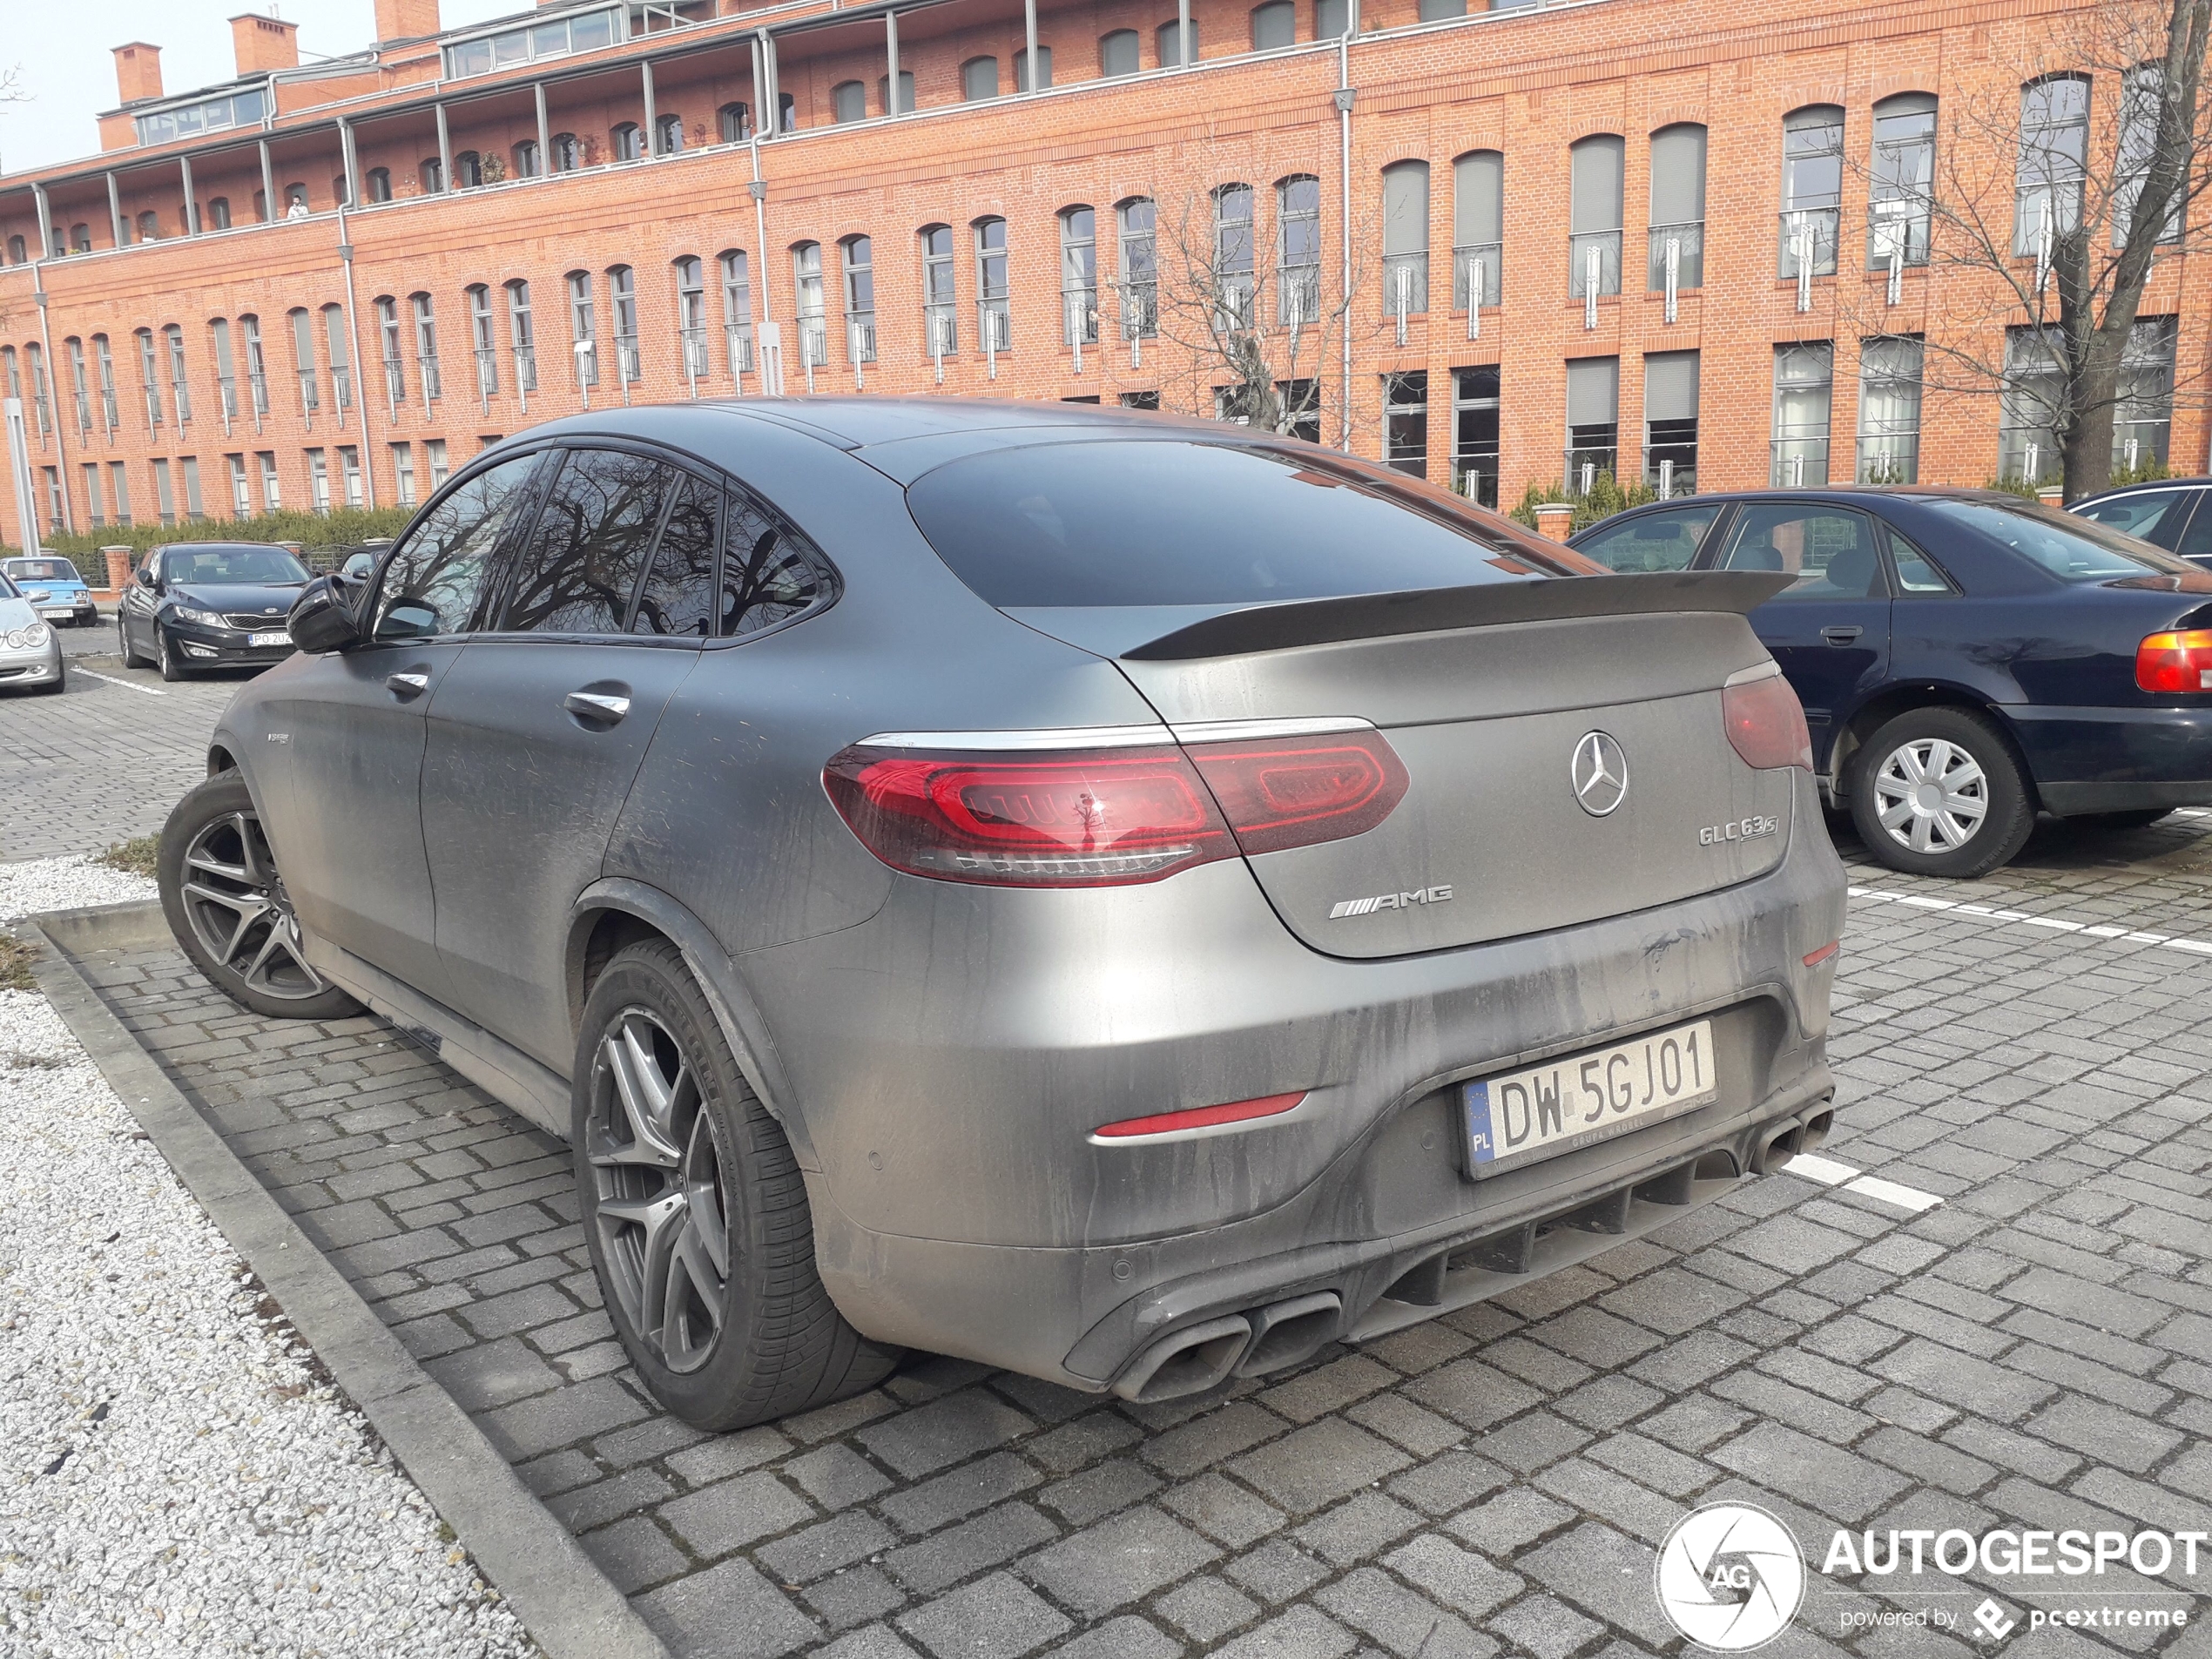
pixel 1580 1099
pixel 269 639
pixel 59 611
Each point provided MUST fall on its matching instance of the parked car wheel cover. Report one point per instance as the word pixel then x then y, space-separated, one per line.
pixel 1931 794
pixel 241 913
pixel 662 1210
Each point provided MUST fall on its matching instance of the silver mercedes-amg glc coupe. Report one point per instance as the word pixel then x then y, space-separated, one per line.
pixel 1128 900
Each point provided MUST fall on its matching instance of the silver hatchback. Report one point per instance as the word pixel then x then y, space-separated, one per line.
pixel 1126 899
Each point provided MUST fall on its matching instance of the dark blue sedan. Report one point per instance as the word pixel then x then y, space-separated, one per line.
pixel 1965 658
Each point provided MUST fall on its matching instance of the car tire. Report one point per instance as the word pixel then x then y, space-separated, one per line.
pixel 661 1112
pixel 226 906
pixel 165 657
pixel 123 647
pixel 2138 820
pixel 1974 815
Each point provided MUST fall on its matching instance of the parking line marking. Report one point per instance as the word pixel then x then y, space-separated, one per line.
pixel 1889 1192
pixel 1813 1167
pixel 2057 924
pixel 128 685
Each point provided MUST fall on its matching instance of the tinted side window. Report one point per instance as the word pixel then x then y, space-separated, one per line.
pixel 2196 541
pixel 433 579
pixel 2143 513
pixel 1650 541
pixel 767 572
pixel 678 595
pixel 1917 576
pixel 578 569
pixel 1829 550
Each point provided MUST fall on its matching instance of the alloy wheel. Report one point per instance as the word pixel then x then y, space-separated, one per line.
pixel 1931 795
pixel 239 912
pixel 661 1207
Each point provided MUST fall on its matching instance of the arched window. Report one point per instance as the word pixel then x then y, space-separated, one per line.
pixel 1274 25
pixel 690 316
pixel 149 375
pixel 388 345
pixel 992 303
pixel 1079 275
pixel 1022 70
pixel 257 361
pixel 173 336
pixel 737 309
pixel 1138 221
pixel 848 102
pixel 567 154
pixel 1478 226
pixel 303 359
pixel 1404 233
pixel 1677 221
pixel 431 174
pixel 469 170
pixel 979 78
pixel 527 163
pixel 425 347
pixel 1900 196
pixel 1812 188
pixel 1117 53
pixel 1233 254
pixel 809 302
pixel 335 346
pixel 622 293
pixel 939 315
pixel 583 333
pixel 380 184
pixel 480 342
pixel 1593 214
pixel 906 93
pixel 2053 159
pixel 521 336
pixel 1166 40
pixel 668 133
pixel 218 212
pixel 735 123
pixel 856 255
pixel 80 238
pixel 1298 251
pixel 628 144
pixel 18 252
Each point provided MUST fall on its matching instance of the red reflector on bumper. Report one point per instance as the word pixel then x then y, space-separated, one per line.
pixel 1201 1117
pixel 1823 953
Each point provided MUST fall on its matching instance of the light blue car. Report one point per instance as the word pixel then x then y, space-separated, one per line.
pixel 54 589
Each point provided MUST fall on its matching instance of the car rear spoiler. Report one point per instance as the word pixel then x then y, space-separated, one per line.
pixel 1367 616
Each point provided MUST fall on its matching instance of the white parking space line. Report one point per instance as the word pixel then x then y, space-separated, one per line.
pixel 1830 1173
pixel 128 685
pixel 2021 918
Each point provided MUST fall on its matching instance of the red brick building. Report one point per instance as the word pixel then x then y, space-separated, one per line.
pixel 334 282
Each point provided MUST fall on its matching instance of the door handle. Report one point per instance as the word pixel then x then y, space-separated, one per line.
pixel 406 685
pixel 1841 635
pixel 596 705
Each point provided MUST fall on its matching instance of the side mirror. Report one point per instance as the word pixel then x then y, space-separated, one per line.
pixel 145 575
pixel 323 617
pixel 359 567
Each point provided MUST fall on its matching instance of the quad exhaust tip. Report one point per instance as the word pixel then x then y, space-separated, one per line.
pixel 1201 1357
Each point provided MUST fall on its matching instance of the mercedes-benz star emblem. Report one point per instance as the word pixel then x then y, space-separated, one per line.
pixel 1600 773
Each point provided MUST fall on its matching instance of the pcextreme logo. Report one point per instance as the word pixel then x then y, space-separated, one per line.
pixel 1730 1577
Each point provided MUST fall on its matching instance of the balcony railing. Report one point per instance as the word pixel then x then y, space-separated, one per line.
pixel 1606 244
pixel 860 336
pixel 1899 226
pixel 433 382
pixel 107 408
pixel 1233 305
pixel 226 389
pixel 526 368
pixel 1477 268
pixel 941 328
pixel 739 343
pixel 1298 296
pixel 395 382
pixel 1808 239
pixel 84 413
pixel 310 392
pixel 487 375
pixel 1140 310
pixel 995 323
pixel 1889 458
pixel 258 383
pixel 695 366
pixel 341 386
pixel 1079 316
pixel 180 400
pixel 1685 245
pixel 1404 284
pixel 813 342
pixel 627 361
pixel 153 407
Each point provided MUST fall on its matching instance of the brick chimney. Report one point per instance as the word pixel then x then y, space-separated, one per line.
pixel 264 44
pixel 406 20
pixel 137 73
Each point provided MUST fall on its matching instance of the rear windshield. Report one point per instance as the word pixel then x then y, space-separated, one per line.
pixel 1158 521
pixel 41 569
pixel 2060 545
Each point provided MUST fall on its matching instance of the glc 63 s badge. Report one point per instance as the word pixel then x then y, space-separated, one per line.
pixel 1389 901
pixel 1743 829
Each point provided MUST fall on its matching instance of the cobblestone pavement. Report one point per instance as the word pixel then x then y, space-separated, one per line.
pixel 2033 1352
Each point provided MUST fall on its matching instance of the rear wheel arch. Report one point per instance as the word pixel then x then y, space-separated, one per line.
pixel 220 761
pixel 1879 710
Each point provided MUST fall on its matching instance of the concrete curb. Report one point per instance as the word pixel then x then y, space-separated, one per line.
pixel 570 1608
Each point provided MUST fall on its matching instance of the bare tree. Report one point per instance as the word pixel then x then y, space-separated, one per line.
pixel 2053 197
pixel 1252 295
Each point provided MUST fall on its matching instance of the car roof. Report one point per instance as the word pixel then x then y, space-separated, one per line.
pixel 2148 483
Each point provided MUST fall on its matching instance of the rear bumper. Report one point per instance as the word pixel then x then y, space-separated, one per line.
pixel 2115 760
pixel 950 1056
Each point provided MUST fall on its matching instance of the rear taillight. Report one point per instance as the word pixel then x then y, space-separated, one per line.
pixel 2176 662
pixel 1282 792
pixel 1109 817
pixel 1765 722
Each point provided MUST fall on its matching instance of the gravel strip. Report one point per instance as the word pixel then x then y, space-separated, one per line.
pixel 176 1476
pixel 30 886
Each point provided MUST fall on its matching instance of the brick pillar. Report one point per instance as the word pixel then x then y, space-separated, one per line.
pixel 119 567
pixel 2051 494
pixel 1556 520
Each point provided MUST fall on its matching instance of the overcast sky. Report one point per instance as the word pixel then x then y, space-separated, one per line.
pixel 62 49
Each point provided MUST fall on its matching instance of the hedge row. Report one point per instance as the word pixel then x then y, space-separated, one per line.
pixel 340 527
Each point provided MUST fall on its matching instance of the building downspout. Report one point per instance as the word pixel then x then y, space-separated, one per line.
pixel 1344 127
pixel 361 399
pixel 53 387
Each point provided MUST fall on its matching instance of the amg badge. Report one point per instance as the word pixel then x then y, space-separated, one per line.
pixel 1389 901
pixel 1744 829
